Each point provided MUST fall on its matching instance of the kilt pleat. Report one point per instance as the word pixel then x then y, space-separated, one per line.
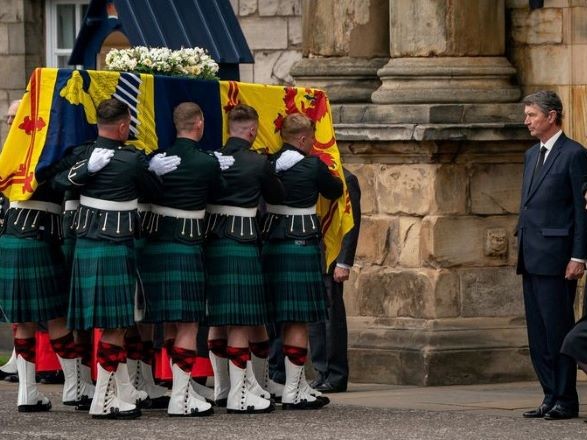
pixel 32 283
pixel 103 285
pixel 173 281
pixel 234 284
pixel 294 281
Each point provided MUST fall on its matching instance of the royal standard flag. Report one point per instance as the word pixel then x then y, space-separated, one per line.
pixel 58 112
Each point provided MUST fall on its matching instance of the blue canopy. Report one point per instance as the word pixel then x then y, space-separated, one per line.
pixel 210 24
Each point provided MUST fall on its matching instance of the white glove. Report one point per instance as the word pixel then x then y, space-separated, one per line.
pixel 161 164
pixel 224 161
pixel 99 158
pixel 287 160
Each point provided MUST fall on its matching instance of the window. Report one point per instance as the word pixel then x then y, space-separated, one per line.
pixel 64 20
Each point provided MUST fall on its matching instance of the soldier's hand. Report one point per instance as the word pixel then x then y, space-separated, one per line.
pixel 99 158
pixel 224 160
pixel 287 160
pixel 161 164
pixel 575 270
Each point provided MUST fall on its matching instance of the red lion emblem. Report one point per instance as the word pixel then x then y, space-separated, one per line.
pixel 315 109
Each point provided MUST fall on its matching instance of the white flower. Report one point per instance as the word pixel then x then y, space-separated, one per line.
pixel 192 61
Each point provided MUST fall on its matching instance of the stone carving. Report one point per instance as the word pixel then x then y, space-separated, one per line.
pixel 496 242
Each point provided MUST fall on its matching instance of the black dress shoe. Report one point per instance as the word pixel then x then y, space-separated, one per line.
pixel 329 388
pixel 4 374
pixel 13 378
pixel 559 412
pixel 316 383
pixel 538 412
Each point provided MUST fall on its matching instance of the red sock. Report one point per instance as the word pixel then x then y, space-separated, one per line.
pixel 260 349
pixel 148 352
pixel 218 347
pixel 26 348
pixel 238 356
pixel 65 346
pixel 109 356
pixel 184 358
pixel 134 348
pixel 297 355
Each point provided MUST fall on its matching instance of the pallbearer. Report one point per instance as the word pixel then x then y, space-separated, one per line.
pixel 172 263
pixel 291 253
pixel 235 287
pixel 104 279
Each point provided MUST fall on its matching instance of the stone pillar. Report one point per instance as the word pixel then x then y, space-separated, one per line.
pixel 447 51
pixel 345 43
pixel 433 297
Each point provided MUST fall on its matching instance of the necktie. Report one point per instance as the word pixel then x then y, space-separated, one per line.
pixel 539 165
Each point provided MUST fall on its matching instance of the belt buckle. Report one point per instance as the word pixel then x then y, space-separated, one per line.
pixel 300 242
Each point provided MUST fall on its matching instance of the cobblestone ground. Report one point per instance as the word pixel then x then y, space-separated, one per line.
pixel 333 422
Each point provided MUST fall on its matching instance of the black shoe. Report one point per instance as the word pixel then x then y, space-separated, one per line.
pixel 160 402
pixel 537 413
pixel 13 378
pixel 318 381
pixel 4 374
pixel 304 405
pixel 52 377
pixel 329 388
pixel 559 412
pixel 37 407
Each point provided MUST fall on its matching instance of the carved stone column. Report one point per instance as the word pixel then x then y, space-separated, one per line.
pixel 345 43
pixel 447 51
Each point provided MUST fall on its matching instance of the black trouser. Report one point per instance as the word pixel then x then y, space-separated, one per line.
pixel 329 339
pixel 548 301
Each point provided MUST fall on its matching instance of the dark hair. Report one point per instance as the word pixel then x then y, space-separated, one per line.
pixel 546 101
pixel 111 111
pixel 185 114
pixel 243 113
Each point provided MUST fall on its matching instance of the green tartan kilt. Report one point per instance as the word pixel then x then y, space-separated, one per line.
pixel 103 285
pixel 294 281
pixel 173 281
pixel 67 247
pixel 32 281
pixel 234 284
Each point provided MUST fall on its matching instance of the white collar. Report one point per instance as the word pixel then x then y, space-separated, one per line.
pixel 550 143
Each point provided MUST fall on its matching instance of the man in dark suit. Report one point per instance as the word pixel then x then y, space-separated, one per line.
pixel 328 339
pixel 552 250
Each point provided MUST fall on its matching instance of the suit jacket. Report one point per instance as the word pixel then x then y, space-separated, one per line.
pixel 551 228
pixel 349 242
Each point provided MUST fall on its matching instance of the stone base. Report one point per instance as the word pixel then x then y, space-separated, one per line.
pixel 344 79
pixel 447 79
pixel 438 352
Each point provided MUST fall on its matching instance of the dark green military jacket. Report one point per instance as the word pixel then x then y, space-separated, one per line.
pixel 125 178
pixel 187 188
pixel 303 183
pixel 30 223
pixel 251 176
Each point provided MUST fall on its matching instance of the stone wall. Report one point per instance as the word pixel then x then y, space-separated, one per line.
pixel 22 48
pixel 548 46
pixel 433 297
pixel 273 29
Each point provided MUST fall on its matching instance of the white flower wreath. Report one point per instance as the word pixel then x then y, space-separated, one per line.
pixel 192 61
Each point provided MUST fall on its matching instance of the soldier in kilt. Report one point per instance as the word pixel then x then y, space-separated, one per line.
pixel 172 264
pixel 138 340
pixel 104 274
pixel 235 284
pixel 32 273
pixel 291 253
